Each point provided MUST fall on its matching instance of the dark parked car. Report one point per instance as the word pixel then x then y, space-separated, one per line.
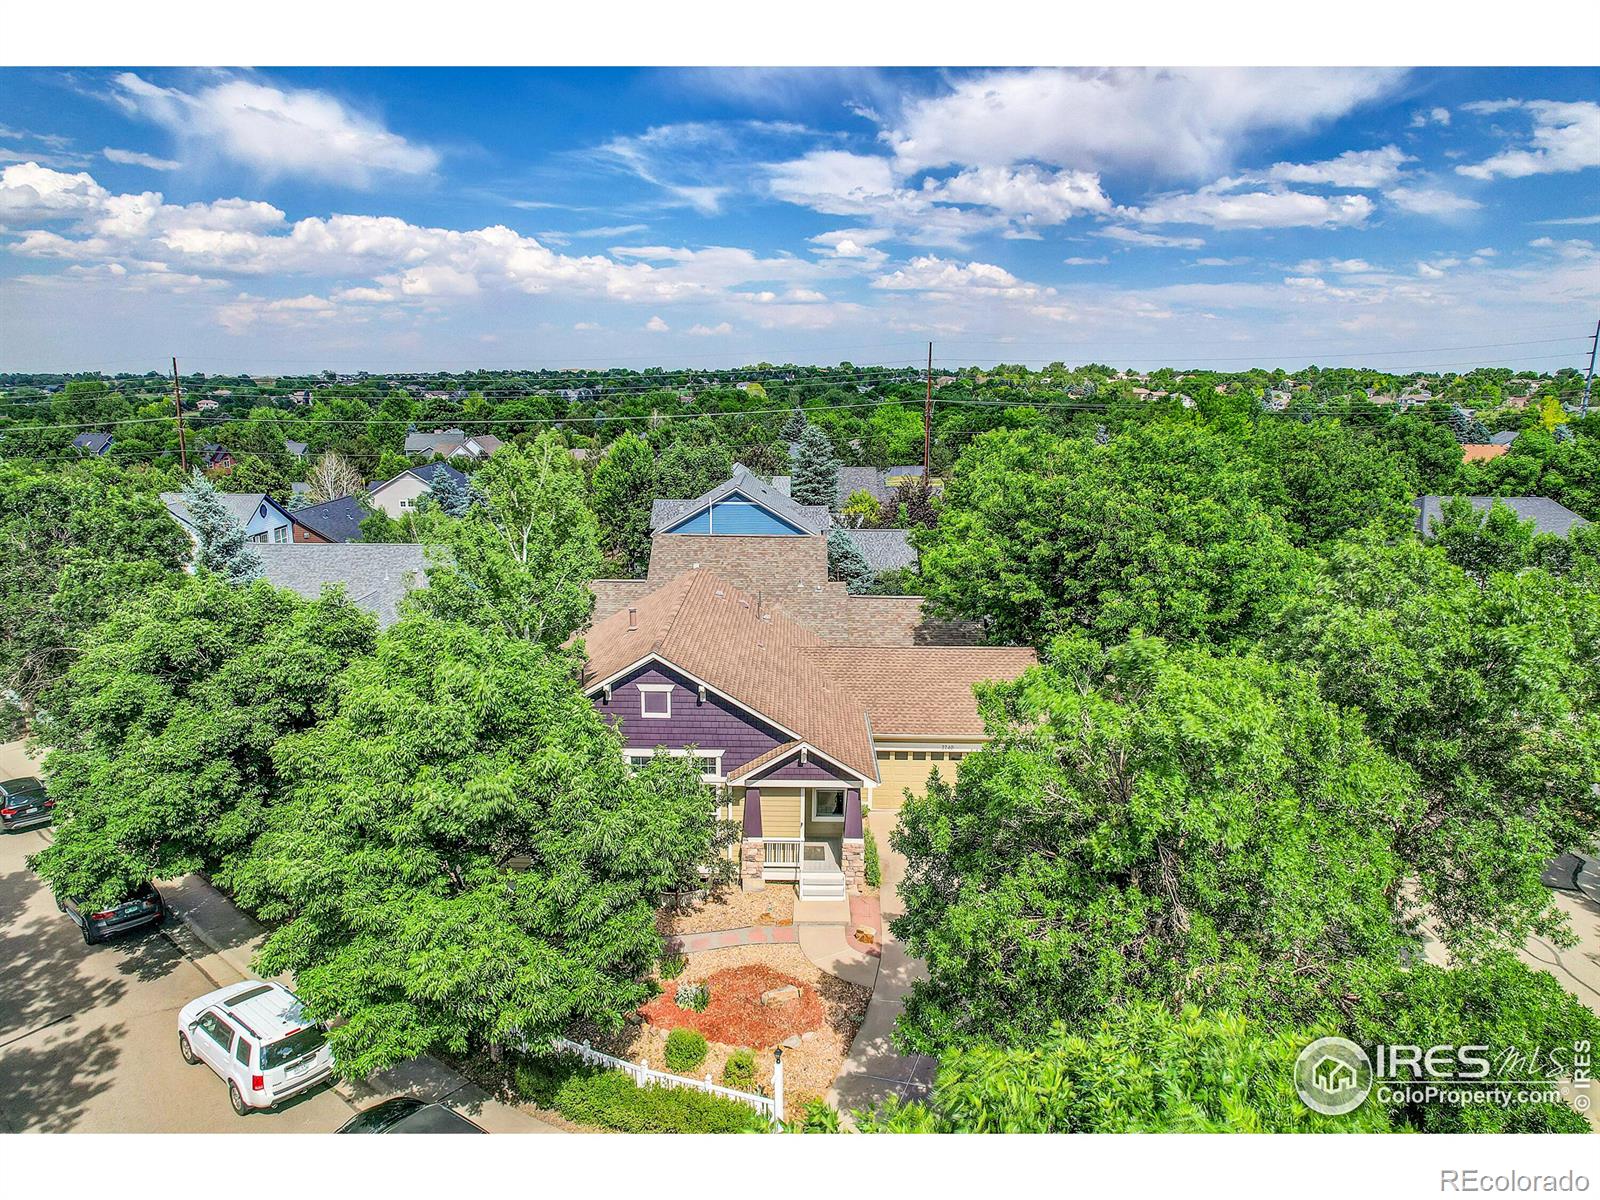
pixel 143 908
pixel 407 1114
pixel 23 804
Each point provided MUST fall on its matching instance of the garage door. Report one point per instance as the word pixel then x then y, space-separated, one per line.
pixel 902 769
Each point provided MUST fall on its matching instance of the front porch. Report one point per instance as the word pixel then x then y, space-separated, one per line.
pixel 810 836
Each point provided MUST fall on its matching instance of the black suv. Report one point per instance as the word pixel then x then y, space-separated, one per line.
pixel 406 1114
pixel 144 907
pixel 23 804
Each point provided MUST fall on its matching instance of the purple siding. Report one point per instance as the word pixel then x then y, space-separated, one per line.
pixel 714 725
pixel 791 769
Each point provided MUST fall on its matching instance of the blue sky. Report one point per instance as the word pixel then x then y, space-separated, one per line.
pixel 413 219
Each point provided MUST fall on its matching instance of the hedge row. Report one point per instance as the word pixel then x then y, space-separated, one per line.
pixel 594 1096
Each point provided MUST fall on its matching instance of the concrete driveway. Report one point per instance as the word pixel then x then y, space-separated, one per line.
pixel 89 1034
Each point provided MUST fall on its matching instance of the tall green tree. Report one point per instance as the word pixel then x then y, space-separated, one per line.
pixel 467 857
pixel 846 562
pixel 1491 694
pixel 162 731
pixel 1148 823
pixel 1159 531
pixel 815 478
pixel 624 487
pixel 78 543
pixel 220 543
pixel 523 559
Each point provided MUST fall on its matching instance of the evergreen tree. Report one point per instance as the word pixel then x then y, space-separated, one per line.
pixel 847 563
pixel 816 470
pixel 450 494
pixel 795 427
pixel 222 546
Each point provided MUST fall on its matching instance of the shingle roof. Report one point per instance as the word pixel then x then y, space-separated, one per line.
pixel 896 472
pixel 720 635
pixel 1482 451
pixel 426 443
pixel 1547 516
pixel 813 518
pixel 884 549
pixel 94 443
pixel 1505 437
pixel 242 505
pixel 336 520
pixel 428 472
pixel 374 575
pixel 921 689
pixel 861 479
pixel 293 448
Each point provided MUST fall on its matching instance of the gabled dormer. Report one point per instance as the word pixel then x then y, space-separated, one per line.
pixel 741 506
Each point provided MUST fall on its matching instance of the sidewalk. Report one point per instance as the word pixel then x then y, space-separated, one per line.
pixel 222 941
pixel 874 1070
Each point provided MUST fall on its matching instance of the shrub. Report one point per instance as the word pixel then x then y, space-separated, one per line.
pixel 672 966
pixel 740 1070
pixel 609 1099
pixel 686 1050
pixel 870 867
pixel 817 1117
pixel 693 996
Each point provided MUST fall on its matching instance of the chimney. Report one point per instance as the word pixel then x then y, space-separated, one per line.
pixel 633 619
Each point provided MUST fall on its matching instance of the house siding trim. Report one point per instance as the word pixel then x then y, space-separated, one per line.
pixel 714 724
pixel 616 681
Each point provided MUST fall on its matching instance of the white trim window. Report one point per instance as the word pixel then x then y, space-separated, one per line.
pixel 712 760
pixel 827 804
pixel 655 700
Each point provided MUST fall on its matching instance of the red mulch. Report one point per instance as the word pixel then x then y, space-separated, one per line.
pixel 736 1016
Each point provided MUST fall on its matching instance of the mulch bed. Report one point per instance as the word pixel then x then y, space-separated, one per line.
pixel 735 1016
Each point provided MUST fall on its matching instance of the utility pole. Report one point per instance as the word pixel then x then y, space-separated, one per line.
pixel 927 424
pixel 177 408
pixel 1588 380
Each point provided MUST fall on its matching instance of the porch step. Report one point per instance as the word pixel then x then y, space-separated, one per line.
pixel 819 886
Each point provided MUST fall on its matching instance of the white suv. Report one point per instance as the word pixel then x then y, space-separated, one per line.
pixel 257 1037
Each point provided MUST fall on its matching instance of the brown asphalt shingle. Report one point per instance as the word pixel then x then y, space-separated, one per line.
pixel 921 689
pixel 719 634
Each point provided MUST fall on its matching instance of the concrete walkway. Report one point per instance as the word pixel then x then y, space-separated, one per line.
pixel 874 1070
pixel 214 930
pixel 721 939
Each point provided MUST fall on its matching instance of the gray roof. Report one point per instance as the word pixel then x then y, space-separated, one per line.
pixel 896 472
pixel 374 575
pixel 425 443
pixel 861 479
pixel 242 505
pixel 1504 438
pixel 336 520
pixel 813 518
pixel 1547 516
pixel 94 443
pixel 884 549
pixel 293 448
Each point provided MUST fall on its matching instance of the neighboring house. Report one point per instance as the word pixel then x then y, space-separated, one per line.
pixel 216 458
pixel 794 732
pixel 205 405
pixel 262 517
pixel 333 521
pixel 374 575
pixel 1547 516
pixel 860 479
pixel 451 443
pixel 1483 451
pixel 399 495
pixel 743 506
pixel 92 444
pixel 884 549
pixel 1505 437
pixel 293 448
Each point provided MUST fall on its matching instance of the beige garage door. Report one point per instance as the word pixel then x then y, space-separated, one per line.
pixel 902 769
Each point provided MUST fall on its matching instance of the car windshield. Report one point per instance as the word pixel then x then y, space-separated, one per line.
pixel 296 1045
pixel 380 1117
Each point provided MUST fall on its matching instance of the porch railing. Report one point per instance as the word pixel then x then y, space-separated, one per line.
pixel 781 857
pixel 644 1075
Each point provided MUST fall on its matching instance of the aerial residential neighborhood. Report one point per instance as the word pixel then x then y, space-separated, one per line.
pixel 847 602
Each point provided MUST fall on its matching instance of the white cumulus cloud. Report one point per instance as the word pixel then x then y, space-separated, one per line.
pixel 1565 137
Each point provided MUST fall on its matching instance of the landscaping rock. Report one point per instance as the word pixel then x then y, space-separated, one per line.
pixel 792 1042
pixel 780 995
pixel 809 1035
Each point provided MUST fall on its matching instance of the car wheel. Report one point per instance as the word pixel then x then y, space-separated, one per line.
pixel 89 938
pixel 186 1050
pixel 236 1098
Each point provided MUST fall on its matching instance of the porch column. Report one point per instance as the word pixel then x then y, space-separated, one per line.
pixel 853 849
pixel 752 856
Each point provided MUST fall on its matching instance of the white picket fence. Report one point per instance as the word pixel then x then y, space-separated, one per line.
pixel 644 1075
